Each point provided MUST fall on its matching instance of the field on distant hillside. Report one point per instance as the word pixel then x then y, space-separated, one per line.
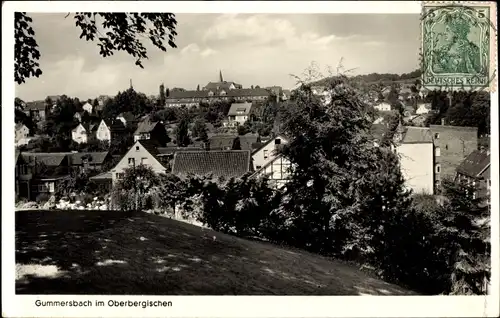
pixel 110 252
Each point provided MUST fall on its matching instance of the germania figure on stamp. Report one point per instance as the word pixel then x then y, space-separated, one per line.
pixel 456 46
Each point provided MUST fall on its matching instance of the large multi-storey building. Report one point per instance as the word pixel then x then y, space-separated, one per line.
pixel 216 91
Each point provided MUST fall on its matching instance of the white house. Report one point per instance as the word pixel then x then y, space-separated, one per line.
pixel 423 109
pixel 22 133
pixel 416 152
pixel 88 107
pixel 142 152
pixel 238 114
pixel 383 107
pixel 267 152
pixel 103 132
pixel 79 134
pixel 268 162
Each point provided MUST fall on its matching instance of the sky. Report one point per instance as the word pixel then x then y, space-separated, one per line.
pixel 249 49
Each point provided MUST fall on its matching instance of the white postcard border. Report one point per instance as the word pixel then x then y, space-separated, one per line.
pixel 224 306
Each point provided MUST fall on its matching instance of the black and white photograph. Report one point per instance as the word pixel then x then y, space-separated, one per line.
pixel 168 152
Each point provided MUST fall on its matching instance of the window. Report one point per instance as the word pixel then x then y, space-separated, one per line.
pixel 446 147
pixel 144 161
pixel 258 167
pixel 51 187
pixel 266 154
pixel 436 136
pixel 131 161
pixel 488 183
pixel 120 175
pixel 136 148
pixel 437 152
pixel 438 168
pixel 277 141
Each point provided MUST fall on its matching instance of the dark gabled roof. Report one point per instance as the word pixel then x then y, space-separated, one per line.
pixel 248 92
pixel 221 142
pixel 247 141
pixel 114 125
pixel 240 109
pixel 188 94
pixel 234 163
pixel 162 151
pixel 48 159
pixel 150 145
pixel 417 135
pixel 36 105
pixel 475 163
pixel 145 126
pixel 263 144
pixel 94 157
pixel 220 85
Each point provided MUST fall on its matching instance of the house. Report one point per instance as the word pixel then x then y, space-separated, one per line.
pixel 88 107
pixel 221 142
pixel 221 84
pixel 23 176
pixel 415 148
pixel 22 133
pixel 107 130
pixel 37 110
pixel 453 144
pixel 475 171
pixel 269 163
pixel 78 116
pixel 143 152
pixel 80 134
pixel 41 173
pixel 238 114
pixel 89 161
pixel 151 130
pixel 226 164
pixel 423 108
pixel 127 118
pixel 383 107
pixel 286 94
pixel 267 152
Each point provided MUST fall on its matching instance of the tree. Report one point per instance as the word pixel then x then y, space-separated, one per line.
pixel 464 230
pixel 136 189
pixel 243 130
pixel 236 144
pixel 182 132
pixel 330 194
pixel 200 129
pixel 162 99
pixel 120 32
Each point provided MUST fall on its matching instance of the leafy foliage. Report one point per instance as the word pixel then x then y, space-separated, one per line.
pixel 182 132
pixel 137 188
pixel 200 129
pixel 113 31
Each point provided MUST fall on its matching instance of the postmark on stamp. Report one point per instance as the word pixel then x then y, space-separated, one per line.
pixel 458 46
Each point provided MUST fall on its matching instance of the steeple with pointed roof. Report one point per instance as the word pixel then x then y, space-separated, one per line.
pixel 221 79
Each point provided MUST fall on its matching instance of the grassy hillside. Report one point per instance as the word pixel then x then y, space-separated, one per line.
pixel 108 252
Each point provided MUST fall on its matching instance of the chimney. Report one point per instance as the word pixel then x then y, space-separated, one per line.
pixel 442 121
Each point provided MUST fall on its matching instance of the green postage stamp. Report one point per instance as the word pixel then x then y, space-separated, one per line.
pixel 459 45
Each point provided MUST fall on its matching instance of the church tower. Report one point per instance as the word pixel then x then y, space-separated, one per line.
pixel 221 79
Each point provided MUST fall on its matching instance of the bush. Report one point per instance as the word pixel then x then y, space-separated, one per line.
pixel 42 198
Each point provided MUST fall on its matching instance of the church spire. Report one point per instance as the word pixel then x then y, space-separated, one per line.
pixel 131 84
pixel 221 79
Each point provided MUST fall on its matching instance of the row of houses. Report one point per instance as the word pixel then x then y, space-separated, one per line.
pixel 427 155
pixel 42 172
